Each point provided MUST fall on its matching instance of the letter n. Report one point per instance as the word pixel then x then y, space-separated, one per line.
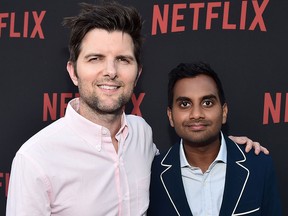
pixel 161 20
pixel 49 107
pixel 270 108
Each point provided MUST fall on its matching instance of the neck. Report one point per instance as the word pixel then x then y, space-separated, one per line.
pixel 111 121
pixel 203 156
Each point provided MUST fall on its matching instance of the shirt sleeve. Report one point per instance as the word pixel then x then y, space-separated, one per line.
pixel 29 189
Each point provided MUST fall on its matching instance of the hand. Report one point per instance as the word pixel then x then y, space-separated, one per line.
pixel 249 144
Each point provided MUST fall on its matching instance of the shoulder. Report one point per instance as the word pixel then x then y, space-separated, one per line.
pixel 249 157
pixel 48 133
pixel 137 121
pixel 134 118
pixel 140 132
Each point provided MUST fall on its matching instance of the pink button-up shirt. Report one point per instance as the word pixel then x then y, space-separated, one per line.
pixel 71 168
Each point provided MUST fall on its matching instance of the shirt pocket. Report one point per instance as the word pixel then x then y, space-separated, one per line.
pixel 143 194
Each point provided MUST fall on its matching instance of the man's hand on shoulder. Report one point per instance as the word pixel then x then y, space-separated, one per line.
pixel 249 144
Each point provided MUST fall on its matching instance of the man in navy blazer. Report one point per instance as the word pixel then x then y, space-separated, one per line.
pixel 207 173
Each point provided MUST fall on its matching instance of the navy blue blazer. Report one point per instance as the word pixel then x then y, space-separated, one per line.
pixel 250 185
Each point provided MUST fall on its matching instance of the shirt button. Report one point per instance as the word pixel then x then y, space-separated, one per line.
pixel 98 147
pixel 104 132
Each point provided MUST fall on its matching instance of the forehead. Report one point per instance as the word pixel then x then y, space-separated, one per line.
pixel 194 87
pixel 100 40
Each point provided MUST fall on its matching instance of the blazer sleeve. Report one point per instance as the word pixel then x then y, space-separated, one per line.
pixel 271 202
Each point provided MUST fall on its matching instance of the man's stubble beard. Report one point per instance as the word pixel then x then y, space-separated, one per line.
pixel 96 105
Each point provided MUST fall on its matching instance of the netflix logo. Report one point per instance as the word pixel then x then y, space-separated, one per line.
pixel 54 104
pixel 22 25
pixel 180 17
pixel 275 108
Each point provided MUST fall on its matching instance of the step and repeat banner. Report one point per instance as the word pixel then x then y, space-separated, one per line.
pixel 245 41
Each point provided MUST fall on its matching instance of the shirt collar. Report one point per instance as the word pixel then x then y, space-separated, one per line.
pixel 88 130
pixel 221 157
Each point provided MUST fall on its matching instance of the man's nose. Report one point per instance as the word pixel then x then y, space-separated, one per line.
pixel 111 69
pixel 196 112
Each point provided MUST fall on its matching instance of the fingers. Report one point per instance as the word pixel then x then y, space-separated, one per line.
pixel 242 140
pixel 265 150
pixel 256 146
pixel 250 144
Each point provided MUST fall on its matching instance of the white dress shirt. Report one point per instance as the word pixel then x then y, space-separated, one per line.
pixel 204 191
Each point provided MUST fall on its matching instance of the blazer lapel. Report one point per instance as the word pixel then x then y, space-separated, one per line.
pixel 172 181
pixel 236 177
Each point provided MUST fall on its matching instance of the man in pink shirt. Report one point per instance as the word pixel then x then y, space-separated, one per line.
pixel 95 160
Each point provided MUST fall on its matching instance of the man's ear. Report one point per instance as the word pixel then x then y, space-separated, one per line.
pixel 169 114
pixel 138 75
pixel 72 72
pixel 224 113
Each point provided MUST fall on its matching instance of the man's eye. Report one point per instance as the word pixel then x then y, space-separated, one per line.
pixel 96 58
pixel 207 103
pixel 123 60
pixel 184 104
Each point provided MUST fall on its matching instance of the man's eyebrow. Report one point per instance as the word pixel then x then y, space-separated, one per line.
pixel 130 57
pixel 211 96
pixel 93 55
pixel 182 99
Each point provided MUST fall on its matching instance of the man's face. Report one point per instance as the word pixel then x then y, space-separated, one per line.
pixel 105 72
pixel 197 114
